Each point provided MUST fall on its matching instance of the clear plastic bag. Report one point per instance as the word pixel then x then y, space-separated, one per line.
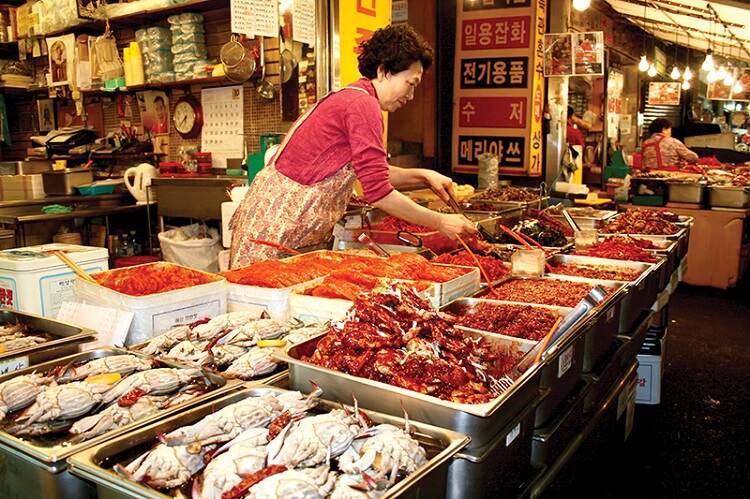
pixel 185 18
pixel 193 246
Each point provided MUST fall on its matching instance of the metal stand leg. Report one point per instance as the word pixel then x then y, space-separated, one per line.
pixel 148 220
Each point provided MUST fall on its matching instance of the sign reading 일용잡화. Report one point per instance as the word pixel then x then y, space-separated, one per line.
pixel 498 91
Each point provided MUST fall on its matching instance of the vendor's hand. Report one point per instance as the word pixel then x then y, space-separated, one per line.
pixel 441 184
pixel 456 225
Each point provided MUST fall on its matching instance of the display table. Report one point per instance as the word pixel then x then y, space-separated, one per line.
pixel 719 249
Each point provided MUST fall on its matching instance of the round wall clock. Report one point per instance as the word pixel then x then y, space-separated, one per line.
pixel 188 117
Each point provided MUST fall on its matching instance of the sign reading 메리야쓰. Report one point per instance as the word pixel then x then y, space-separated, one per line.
pixel 499 47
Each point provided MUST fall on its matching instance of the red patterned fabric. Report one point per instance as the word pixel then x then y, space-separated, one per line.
pixel 347 127
pixel 280 210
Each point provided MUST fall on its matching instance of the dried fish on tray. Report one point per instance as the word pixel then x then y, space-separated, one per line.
pixel 235 345
pixel 271 442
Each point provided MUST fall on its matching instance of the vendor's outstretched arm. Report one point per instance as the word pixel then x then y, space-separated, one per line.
pixel 400 206
pixel 407 178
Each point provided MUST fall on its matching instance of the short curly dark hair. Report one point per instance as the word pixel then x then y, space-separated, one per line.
pixel 396 47
pixel 658 125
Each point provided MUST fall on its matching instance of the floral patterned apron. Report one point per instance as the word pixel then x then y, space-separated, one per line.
pixel 279 210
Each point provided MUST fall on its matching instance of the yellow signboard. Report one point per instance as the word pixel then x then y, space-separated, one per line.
pixel 357 21
pixel 498 93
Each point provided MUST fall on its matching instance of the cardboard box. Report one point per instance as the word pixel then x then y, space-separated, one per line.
pixel 651 366
pixel 19 187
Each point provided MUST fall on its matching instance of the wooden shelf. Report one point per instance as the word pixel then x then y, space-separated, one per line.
pixel 213 80
pixel 143 18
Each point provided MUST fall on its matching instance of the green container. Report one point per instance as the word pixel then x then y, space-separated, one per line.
pixel 255 161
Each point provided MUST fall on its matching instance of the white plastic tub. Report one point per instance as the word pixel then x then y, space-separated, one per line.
pixel 33 280
pixel 158 312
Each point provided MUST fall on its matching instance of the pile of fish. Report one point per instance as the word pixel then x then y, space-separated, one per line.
pixel 236 345
pixel 13 336
pixel 89 399
pixel 271 446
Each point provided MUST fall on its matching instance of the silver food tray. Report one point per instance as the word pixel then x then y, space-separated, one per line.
pixel 659 237
pixel 54 454
pixel 728 196
pixel 455 306
pixel 508 454
pixel 481 422
pixel 342 245
pixel 95 464
pixel 560 373
pixel 641 292
pixel 686 192
pixel 598 219
pixel 67 338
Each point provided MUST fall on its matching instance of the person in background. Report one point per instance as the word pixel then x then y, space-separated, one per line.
pixel 661 149
pixel 573 135
pixel 298 197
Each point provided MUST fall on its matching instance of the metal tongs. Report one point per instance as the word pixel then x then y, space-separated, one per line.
pixel 365 239
pixel 453 205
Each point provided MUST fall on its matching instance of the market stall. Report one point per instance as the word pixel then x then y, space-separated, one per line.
pixel 501 377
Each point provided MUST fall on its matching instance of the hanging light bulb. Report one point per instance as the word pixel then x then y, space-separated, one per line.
pixel 643 64
pixel 651 70
pixel 737 88
pixel 729 79
pixel 687 75
pixel 581 5
pixel 675 74
pixel 686 85
pixel 721 73
pixel 708 62
pixel 711 76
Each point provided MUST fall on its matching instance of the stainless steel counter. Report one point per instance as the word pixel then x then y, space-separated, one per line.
pixel 197 197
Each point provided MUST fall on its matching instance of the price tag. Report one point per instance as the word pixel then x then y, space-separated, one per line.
pixel 14 364
pixel 512 435
pixel 564 362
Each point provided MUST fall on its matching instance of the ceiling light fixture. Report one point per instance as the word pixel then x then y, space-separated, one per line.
pixel 686 85
pixel 643 64
pixel 687 75
pixel 708 62
pixel 581 5
pixel 651 70
pixel 737 88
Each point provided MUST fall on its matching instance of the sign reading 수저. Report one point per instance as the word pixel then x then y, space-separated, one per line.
pixel 499 47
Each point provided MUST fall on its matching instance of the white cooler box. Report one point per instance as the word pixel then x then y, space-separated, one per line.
pixel 32 280
pixel 159 312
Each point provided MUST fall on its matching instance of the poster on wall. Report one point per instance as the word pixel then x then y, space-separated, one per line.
pixel 499 85
pixel 46 113
pixel 558 54
pixel 255 17
pixel 664 93
pixel 61 54
pixel 588 50
pixel 717 90
pixel 154 108
pixel 743 78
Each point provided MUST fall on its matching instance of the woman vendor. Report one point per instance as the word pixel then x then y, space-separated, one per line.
pixel 661 149
pixel 304 189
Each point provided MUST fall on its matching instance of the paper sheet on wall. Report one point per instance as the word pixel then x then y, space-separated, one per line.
pixel 255 17
pixel 111 324
pixel 303 19
pixel 223 123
